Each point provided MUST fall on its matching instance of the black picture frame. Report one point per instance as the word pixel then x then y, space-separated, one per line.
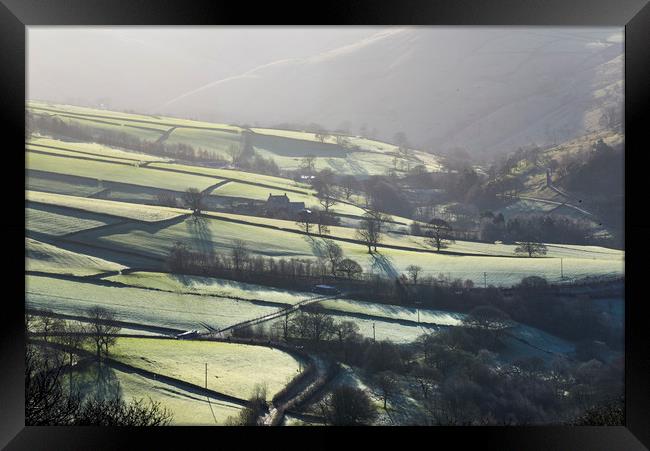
pixel 634 15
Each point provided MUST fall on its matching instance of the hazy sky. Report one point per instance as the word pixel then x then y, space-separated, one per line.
pixel 148 66
pixel 438 83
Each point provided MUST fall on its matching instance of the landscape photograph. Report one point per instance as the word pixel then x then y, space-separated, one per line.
pixel 324 226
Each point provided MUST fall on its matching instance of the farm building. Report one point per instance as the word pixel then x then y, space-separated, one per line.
pixel 281 206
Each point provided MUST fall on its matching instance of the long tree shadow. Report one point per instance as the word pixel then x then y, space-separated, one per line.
pixel 317 245
pixel 97 381
pixel 383 263
pixel 201 234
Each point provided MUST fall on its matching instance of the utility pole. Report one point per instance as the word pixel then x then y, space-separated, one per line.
pixel 484 280
pixel 561 268
pixel 373 332
pixel 418 315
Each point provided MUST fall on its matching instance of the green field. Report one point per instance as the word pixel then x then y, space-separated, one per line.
pixel 118 173
pixel 146 213
pixel 45 257
pixel 188 408
pixel 233 369
pixel 60 185
pixel 140 306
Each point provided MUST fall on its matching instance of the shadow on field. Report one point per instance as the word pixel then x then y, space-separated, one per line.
pixel 201 234
pixel 96 381
pixel 382 263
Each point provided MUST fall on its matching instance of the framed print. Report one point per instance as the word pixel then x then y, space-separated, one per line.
pixel 381 216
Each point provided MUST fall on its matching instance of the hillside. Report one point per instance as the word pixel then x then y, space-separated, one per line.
pixel 513 100
pixel 343 154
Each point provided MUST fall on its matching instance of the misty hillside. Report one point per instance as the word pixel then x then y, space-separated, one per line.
pixel 494 91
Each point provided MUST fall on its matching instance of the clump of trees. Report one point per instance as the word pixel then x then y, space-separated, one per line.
pixel 347 406
pixel 241 264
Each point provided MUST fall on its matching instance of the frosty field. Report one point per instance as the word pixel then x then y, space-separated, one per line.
pixel 44 257
pixel 140 306
pixel 233 369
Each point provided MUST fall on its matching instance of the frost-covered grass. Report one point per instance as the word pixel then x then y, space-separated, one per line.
pixel 147 213
pixel 141 306
pixel 69 187
pixel 55 222
pixel 45 257
pixel 233 369
pixel 210 286
pixel 386 330
pixel 119 173
pixel 434 317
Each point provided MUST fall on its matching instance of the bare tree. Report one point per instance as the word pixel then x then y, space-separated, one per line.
pixel 194 199
pixel 413 272
pixel 322 135
pixel 387 385
pixel 368 231
pixel 47 324
pixel 439 233
pixel 531 248
pixel 308 163
pixel 45 400
pixel 102 329
pixel 239 254
pixel 234 151
pixel 334 254
pixel 305 221
pixel 326 201
pixel 349 185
